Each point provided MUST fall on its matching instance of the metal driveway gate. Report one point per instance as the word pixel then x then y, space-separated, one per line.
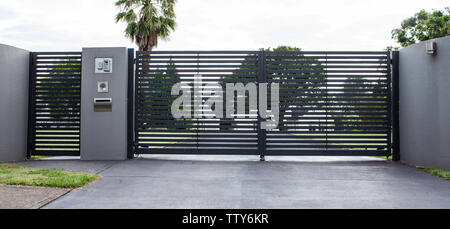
pixel 331 103
pixel 54 104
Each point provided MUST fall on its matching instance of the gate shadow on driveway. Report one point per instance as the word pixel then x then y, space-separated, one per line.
pixel 187 182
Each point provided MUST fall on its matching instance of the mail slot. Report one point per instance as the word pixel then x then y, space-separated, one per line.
pixel 103 104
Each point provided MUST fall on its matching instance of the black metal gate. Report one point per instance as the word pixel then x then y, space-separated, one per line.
pixel 331 103
pixel 54 104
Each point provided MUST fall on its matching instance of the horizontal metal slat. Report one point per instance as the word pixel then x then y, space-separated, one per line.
pixel 75 81
pixel 145 62
pixel 300 68
pixel 311 146
pixel 198 151
pixel 57 153
pixel 58 138
pixel 40 63
pixel 301 57
pixel 56 133
pixel 196 66
pixel 277 152
pixel 202 57
pixel 330 136
pixel 195 134
pixel 142 53
pixel 57 128
pixel 382 53
pixel 43 76
pixel 287 72
pixel 313 133
pixel 294 140
pixel 52 57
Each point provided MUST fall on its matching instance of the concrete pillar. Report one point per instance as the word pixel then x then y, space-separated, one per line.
pixel 104 127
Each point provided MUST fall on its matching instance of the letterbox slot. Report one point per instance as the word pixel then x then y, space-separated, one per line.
pixel 103 104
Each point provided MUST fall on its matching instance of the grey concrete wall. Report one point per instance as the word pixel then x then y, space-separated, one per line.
pixel 425 105
pixel 14 74
pixel 104 134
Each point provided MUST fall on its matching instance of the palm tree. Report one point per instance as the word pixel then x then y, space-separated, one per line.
pixel 148 20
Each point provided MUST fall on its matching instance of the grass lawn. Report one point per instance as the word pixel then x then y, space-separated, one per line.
pixel 438 172
pixel 39 157
pixel 11 174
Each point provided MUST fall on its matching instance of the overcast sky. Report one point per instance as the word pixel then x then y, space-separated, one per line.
pixel 57 25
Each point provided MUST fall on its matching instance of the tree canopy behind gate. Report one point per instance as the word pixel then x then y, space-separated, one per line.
pixel 288 65
pixel 423 26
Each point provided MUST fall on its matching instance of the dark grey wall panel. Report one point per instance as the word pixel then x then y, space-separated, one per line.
pixel 14 72
pixel 425 105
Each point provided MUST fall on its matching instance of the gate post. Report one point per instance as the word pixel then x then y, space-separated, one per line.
pixel 261 79
pixel 395 106
pixel 31 112
pixel 130 104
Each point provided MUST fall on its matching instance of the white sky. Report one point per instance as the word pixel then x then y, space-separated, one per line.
pixel 57 25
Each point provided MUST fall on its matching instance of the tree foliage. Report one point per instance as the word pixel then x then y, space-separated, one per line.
pixel 57 84
pixel 423 26
pixel 288 66
pixel 147 20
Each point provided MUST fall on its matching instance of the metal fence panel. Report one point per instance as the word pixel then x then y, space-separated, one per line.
pixel 331 103
pixel 158 132
pixel 55 99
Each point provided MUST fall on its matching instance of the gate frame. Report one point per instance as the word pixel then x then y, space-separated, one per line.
pixel 262 78
pixel 392 61
pixel 31 132
pixel 131 104
pixel 31 98
pixel 395 100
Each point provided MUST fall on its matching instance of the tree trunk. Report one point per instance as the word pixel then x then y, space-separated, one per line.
pixel 146 48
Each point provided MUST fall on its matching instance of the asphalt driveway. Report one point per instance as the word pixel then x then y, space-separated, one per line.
pixel 243 182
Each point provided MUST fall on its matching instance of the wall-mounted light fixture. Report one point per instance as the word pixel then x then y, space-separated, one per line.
pixel 431 47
